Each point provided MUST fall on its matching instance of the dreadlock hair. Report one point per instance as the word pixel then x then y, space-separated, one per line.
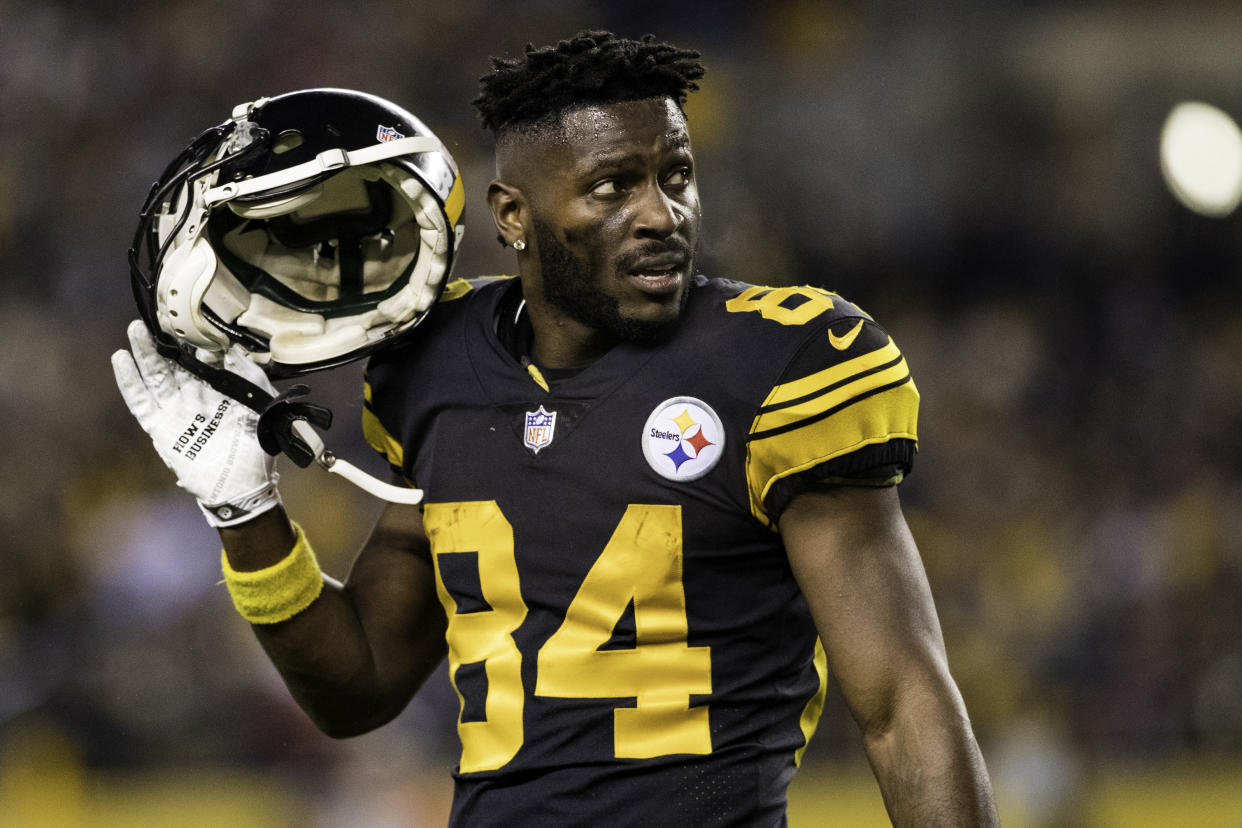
pixel 594 67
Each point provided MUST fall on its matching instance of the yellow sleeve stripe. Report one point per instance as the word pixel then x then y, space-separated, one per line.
pixel 890 413
pixel 375 433
pixel 828 377
pixel 455 290
pixel 791 416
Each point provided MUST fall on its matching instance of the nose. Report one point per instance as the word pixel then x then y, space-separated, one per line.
pixel 656 214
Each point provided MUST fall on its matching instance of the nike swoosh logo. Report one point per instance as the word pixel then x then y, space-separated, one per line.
pixel 842 343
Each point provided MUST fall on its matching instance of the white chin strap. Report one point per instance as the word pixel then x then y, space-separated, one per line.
pixel 355 475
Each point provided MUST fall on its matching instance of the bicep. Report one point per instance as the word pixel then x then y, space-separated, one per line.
pixel 859 568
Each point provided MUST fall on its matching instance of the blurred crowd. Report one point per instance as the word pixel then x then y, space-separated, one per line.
pixel 981 176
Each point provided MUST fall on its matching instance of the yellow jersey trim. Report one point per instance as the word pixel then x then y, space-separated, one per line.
pixel 808 421
pixel 378 437
pixel 537 376
pixel 790 391
pixel 815 705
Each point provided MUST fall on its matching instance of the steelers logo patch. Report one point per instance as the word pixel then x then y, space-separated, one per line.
pixel 683 439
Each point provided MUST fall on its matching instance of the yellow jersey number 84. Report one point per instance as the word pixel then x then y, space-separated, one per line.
pixel 642 562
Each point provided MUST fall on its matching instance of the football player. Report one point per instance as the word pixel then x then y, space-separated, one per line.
pixel 658 507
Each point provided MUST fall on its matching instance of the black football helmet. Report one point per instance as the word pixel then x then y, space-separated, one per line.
pixel 309 228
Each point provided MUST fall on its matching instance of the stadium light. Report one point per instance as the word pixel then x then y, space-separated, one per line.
pixel 1201 158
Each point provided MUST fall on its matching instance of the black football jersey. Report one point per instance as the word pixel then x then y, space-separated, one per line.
pixel 625 635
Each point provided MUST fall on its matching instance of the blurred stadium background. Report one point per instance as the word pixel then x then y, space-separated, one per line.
pixel 982 175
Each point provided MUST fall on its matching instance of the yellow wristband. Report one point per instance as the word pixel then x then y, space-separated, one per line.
pixel 280 591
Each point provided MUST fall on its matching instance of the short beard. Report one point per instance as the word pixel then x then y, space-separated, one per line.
pixel 567 286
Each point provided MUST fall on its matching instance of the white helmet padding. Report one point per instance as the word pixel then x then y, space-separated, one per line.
pixel 410 249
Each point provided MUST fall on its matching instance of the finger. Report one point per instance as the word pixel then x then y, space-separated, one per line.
pixel 134 391
pixel 157 373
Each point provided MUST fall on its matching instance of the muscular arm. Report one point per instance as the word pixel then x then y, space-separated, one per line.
pixel 354 657
pixel 860 570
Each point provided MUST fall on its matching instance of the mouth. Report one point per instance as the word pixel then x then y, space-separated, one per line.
pixel 658 276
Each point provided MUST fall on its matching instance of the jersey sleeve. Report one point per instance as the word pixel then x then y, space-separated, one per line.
pixel 845 411
pixel 386 376
pixel 376 433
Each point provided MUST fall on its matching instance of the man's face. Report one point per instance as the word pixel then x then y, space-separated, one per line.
pixel 616 218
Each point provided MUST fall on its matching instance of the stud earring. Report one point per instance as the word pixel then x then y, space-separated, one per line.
pixel 519 245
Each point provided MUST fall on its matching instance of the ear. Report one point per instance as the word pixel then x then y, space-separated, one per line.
pixel 508 207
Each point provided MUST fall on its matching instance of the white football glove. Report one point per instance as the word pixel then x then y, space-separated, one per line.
pixel 207 439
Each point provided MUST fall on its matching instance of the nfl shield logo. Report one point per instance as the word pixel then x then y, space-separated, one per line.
pixel 385 134
pixel 540 426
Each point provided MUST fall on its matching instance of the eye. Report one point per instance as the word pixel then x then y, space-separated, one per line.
pixel 678 178
pixel 607 187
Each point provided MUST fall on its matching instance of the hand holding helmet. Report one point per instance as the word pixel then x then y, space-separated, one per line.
pixel 310 228
pixel 208 439
pixel 299 235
